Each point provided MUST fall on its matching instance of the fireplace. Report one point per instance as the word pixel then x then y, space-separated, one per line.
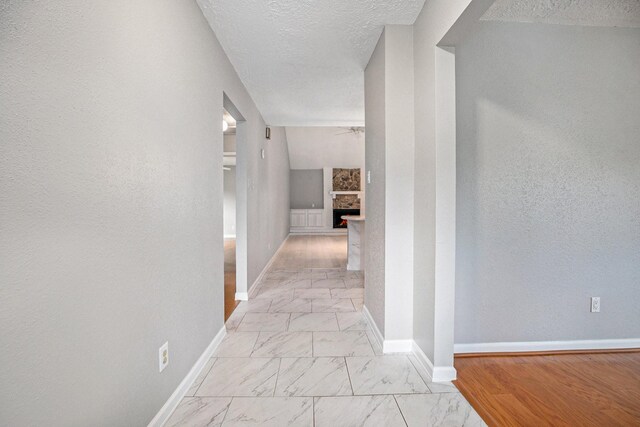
pixel 338 222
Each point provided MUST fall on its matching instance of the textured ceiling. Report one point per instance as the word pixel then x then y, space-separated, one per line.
pixel 606 13
pixel 302 61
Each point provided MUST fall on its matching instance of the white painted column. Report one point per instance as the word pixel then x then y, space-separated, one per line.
pixel 445 262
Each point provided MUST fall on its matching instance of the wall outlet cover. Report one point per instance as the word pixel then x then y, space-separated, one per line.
pixel 595 304
pixel 163 356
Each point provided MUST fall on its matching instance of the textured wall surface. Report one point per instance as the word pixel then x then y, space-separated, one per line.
pixel 111 204
pixel 613 13
pixel 548 183
pixel 399 148
pixel 230 201
pixel 307 189
pixel 434 21
pixel 374 84
pixel 311 53
pixel 318 147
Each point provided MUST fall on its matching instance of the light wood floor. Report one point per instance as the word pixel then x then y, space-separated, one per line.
pixel 595 389
pixel 230 302
pixel 312 252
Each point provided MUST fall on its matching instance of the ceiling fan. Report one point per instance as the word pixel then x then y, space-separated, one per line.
pixel 355 130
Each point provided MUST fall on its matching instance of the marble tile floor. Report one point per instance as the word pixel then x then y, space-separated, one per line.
pixel 300 353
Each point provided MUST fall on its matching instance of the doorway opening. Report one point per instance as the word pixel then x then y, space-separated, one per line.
pixel 229 126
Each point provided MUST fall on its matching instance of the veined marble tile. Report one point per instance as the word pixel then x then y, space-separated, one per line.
pixel 384 375
pixel 239 376
pixel 200 412
pixel 205 370
pixel 375 344
pixel 347 293
pixel 283 344
pixel 332 305
pixel 348 343
pixel 312 275
pixel 253 306
pixel 353 321
pixel 270 412
pixel 313 376
pixel 275 293
pixel 358 303
pixel 342 274
pixel 444 387
pixel 234 321
pixel 287 284
pixel 313 322
pixel 361 411
pixel 354 283
pixel 257 322
pixel 328 283
pixel 237 344
pixel 313 293
pixel 281 275
pixel 440 409
pixel 296 305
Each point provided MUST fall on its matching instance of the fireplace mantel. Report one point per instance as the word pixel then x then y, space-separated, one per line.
pixel 336 193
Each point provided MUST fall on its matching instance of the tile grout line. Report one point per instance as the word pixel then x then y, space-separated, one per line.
pixel 227 411
pixel 399 409
pixel 275 386
pixel 349 375
pixel 205 377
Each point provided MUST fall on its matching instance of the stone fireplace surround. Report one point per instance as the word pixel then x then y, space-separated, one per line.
pixel 347 180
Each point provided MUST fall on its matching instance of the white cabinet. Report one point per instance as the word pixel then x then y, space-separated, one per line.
pixel 298 217
pixel 315 218
pixel 307 218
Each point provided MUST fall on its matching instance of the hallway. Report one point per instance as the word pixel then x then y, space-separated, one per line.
pixel 300 353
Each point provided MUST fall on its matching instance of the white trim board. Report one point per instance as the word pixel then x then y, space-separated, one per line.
pixel 527 346
pixel 242 296
pixel 397 346
pixel 229 236
pixel 387 346
pixel 437 373
pixel 253 288
pixel 374 328
pixel 318 232
pixel 172 403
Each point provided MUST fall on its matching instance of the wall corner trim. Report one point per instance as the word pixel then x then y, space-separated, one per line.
pixel 426 368
pixel 397 346
pixel 242 296
pixel 374 328
pixel 254 288
pixel 172 403
pixel 529 346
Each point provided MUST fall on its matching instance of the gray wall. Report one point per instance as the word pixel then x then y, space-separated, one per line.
pixel 230 201
pixel 374 99
pixel 548 183
pixel 111 204
pixel 307 189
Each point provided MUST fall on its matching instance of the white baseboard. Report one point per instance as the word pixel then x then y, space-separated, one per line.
pixel 436 373
pixel 253 287
pixel 397 346
pixel 341 231
pixel 172 403
pixel 242 296
pixel 527 346
pixel 372 324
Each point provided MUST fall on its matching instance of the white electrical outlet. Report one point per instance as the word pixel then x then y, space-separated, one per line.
pixel 368 177
pixel 595 304
pixel 163 356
